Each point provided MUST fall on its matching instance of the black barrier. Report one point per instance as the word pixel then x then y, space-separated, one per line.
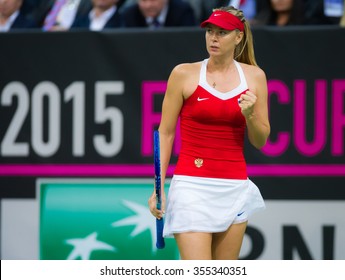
pixel 85 104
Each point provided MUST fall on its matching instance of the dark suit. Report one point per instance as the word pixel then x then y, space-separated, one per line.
pixel 23 22
pixel 84 22
pixel 29 6
pixel 210 5
pixel 179 14
pixel 314 13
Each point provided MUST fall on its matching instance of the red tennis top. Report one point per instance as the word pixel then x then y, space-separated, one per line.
pixel 212 132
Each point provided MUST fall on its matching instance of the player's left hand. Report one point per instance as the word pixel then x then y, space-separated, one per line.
pixel 247 102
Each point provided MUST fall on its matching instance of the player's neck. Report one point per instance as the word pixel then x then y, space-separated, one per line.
pixel 220 65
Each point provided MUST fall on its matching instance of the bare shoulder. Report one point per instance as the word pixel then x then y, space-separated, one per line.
pixel 253 72
pixel 186 68
pixel 256 79
pixel 185 78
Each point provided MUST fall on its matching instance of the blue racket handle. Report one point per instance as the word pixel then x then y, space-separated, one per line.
pixel 159 223
pixel 160 244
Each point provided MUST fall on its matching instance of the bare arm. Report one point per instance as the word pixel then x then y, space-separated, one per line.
pixel 172 104
pixel 171 108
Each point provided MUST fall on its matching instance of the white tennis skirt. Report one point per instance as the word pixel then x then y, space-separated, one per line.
pixel 197 204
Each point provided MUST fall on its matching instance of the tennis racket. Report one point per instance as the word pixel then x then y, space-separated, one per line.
pixel 160 244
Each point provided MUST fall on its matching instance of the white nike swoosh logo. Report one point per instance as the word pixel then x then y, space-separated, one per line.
pixel 216 15
pixel 202 99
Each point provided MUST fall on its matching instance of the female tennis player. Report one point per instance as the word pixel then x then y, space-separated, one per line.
pixel 217 99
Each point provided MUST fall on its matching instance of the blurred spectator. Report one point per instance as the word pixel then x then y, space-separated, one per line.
pixel 104 14
pixel 159 13
pixel 333 8
pixel 11 16
pixel 247 6
pixel 203 8
pixel 281 13
pixel 323 12
pixel 52 15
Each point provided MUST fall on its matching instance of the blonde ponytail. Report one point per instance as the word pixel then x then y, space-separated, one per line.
pixel 244 51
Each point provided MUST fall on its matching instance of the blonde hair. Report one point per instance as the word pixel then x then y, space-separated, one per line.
pixel 342 19
pixel 244 51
